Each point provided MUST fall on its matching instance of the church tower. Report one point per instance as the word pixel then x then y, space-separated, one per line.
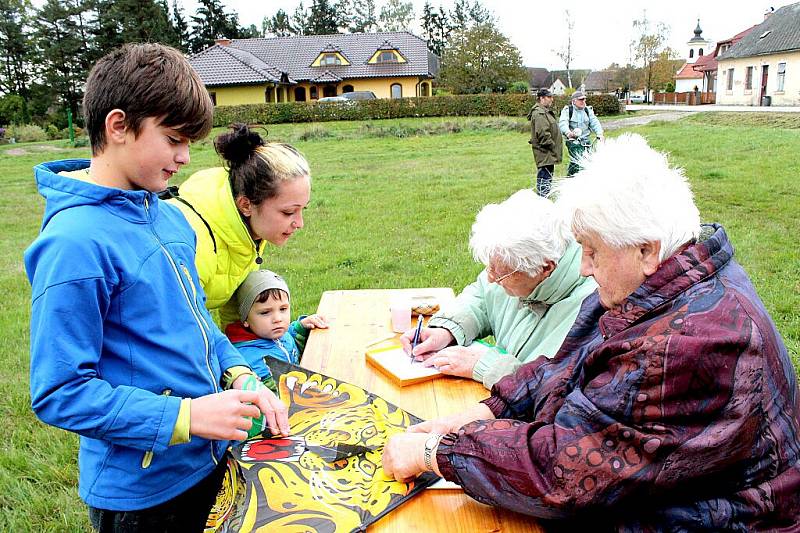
pixel 698 46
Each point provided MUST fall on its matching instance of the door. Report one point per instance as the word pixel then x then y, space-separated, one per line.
pixel 764 75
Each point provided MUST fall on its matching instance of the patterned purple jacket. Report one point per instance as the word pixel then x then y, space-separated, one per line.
pixel 677 412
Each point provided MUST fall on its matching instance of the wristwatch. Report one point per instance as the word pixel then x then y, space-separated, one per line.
pixel 430 445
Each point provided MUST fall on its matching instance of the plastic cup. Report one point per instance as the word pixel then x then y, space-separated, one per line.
pixel 400 310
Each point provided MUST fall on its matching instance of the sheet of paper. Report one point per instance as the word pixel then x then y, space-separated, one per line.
pixel 396 361
pixel 444 484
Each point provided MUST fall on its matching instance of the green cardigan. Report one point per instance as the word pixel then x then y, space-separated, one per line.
pixel 524 328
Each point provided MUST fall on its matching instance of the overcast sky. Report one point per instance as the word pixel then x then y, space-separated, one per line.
pixel 602 32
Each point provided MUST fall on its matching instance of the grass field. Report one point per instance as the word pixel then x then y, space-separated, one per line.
pixel 392 205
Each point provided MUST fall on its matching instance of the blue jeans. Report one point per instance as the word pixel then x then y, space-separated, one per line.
pixel 544 178
pixel 185 512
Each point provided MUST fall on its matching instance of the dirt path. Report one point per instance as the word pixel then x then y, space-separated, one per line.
pixel 667 116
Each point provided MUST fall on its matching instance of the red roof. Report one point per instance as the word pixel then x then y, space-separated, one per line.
pixel 709 62
pixel 687 73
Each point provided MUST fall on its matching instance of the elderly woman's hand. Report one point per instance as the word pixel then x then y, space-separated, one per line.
pixel 404 456
pixel 431 340
pixel 454 422
pixel 457 360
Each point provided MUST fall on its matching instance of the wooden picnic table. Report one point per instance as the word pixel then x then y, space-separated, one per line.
pixel 360 317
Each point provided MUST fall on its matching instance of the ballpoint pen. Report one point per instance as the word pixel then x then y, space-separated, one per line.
pixel 415 340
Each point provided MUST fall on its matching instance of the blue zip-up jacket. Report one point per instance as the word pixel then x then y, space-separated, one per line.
pixel 119 335
pixel 257 350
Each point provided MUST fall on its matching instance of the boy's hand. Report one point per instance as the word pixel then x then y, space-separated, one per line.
pixel 225 415
pixel 314 321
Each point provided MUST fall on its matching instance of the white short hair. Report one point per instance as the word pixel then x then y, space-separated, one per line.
pixel 524 232
pixel 627 194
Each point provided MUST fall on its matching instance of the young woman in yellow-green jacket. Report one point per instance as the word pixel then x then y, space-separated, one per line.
pixel 258 196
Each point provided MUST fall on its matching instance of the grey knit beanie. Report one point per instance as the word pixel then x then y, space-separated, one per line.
pixel 254 284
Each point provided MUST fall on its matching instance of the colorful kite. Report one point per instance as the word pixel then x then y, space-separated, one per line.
pixel 327 476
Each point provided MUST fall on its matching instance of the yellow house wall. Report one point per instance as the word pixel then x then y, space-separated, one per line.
pixel 790 96
pixel 380 86
pixel 247 94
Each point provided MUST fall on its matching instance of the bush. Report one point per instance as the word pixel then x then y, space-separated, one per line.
pixel 519 87
pixel 52 132
pixel 26 133
pixel 512 105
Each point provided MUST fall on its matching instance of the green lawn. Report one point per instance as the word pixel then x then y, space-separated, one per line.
pixel 392 205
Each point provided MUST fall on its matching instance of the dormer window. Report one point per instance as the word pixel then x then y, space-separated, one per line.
pixel 330 59
pixel 330 56
pixel 387 56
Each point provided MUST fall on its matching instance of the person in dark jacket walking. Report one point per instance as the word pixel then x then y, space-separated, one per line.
pixel 545 140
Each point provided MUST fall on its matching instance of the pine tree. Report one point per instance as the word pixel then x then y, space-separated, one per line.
pixel 16 47
pixel 181 27
pixel 396 15
pixel 211 22
pixel 435 28
pixel 363 18
pixel 62 51
pixel 279 25
pixel 324 18
pixel 300 20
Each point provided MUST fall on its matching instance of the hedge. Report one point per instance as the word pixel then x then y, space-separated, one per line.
pixel 515 105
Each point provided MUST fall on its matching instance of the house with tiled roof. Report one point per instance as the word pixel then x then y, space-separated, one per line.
pixel 763 68
pixel 707 64
pixel 602 82
pixel 309 67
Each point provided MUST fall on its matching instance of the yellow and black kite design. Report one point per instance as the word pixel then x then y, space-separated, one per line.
pixel 286 484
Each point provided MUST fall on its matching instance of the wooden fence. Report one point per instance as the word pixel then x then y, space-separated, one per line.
pixel 688 98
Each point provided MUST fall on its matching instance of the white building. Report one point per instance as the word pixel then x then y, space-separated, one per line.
pixel 764 66
pixel 687 79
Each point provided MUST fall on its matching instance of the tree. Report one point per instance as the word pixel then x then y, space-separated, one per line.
pixel 63 53
pixel 363 18
pixel 396 15
pixel 181 27
pixel 17 47
pixel 323 19
pixel 279 25
pixel 481 59
pixel 211 22
pixel 300 20
pixel 647 46
pixel 435 28
pixel 566 53
pixel 664 68
pixel 465 14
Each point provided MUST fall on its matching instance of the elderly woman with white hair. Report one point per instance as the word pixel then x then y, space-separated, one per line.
pixel 672 404
pixel 527 296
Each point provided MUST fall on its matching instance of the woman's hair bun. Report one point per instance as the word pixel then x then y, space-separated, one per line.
pixel 238 145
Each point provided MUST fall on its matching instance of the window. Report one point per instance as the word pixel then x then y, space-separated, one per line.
pixel 397 90
pixel 700 53
pixel 691 53
pixel 347 89
pixel 329 90
pixel 387 56
pixel 214 97
pixel 781 75
pixel 269 94
pixel 330 59
pixel 748 79
pixel 764 34
pixel 300 94
pixel 313 92
pixel 423 90
pixel 729 85
pixel 280 94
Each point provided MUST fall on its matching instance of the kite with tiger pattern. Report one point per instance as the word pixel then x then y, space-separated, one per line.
pixel 280 485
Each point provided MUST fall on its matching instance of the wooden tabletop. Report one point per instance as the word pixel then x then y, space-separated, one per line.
pixel 360 317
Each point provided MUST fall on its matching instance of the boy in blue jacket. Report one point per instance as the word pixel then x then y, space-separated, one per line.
pixel 123 351
pixel 264 330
